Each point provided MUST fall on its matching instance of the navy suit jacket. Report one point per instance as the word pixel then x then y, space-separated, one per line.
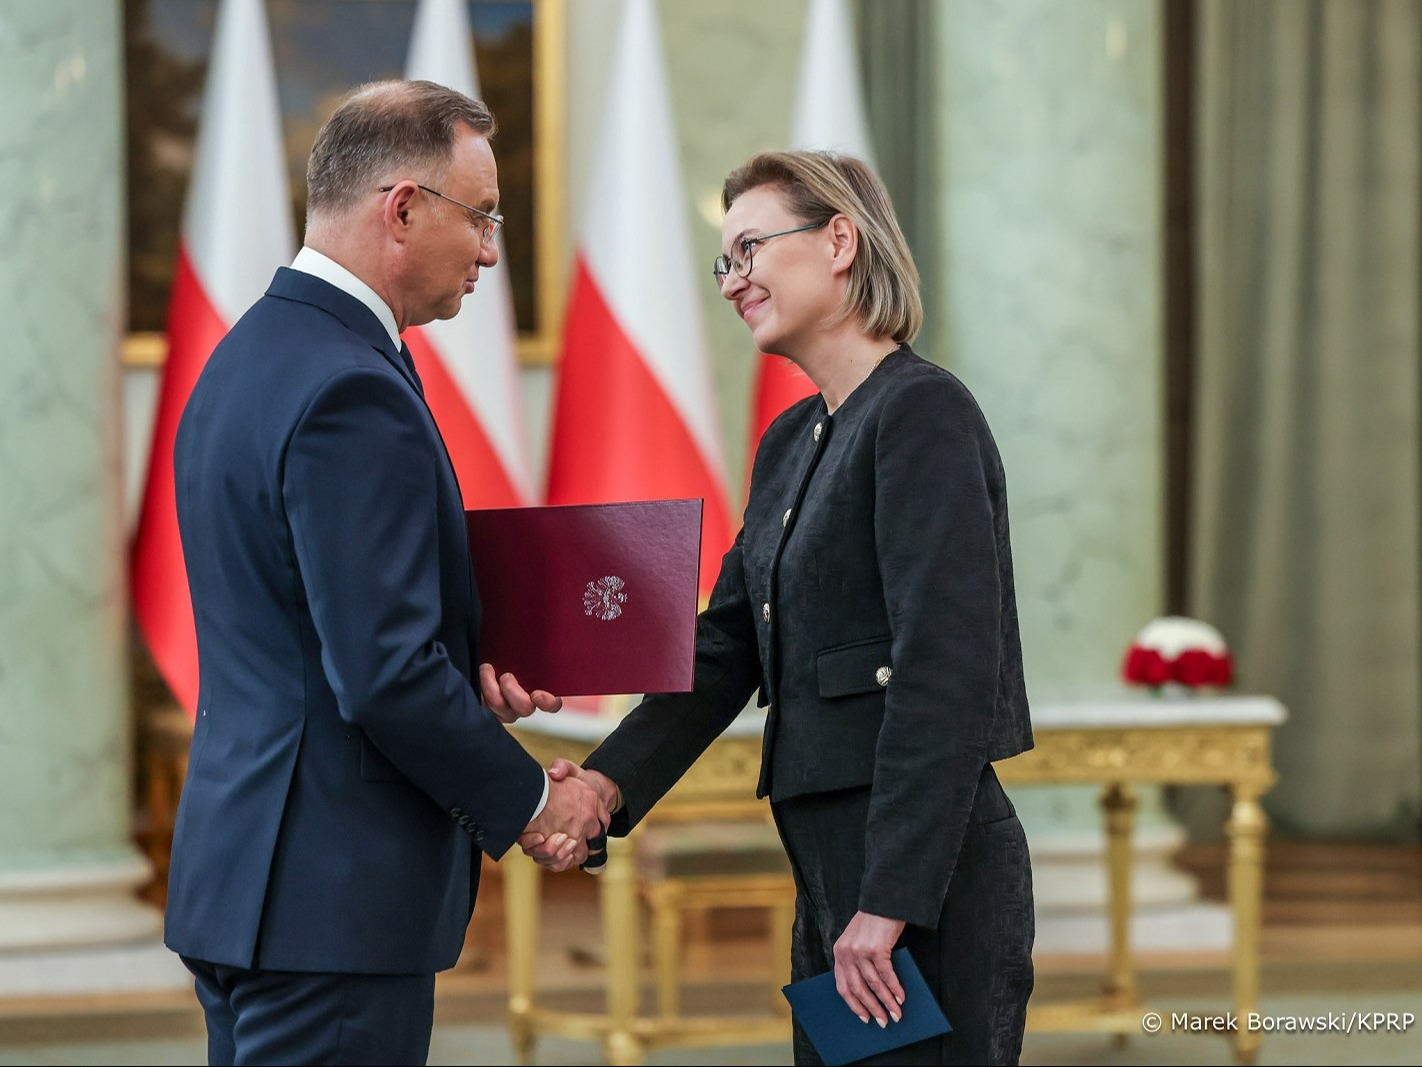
pixel 344 777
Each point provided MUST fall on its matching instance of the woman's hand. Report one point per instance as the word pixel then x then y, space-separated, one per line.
pixel 863 973
pixel 554 851
pixel 605 786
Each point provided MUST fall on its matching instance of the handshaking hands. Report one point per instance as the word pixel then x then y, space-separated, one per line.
pixel 573 824
pixel 564 839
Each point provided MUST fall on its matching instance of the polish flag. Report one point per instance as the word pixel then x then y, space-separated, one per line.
pixel 635 416
pixel 828 114
pixel 236 231
pixel 468 364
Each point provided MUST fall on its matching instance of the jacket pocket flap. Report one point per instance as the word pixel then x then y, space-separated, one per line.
pixel 860 667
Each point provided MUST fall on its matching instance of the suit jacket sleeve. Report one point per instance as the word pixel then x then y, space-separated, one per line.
pixel 663 736
pixel 938 564
pixel 361 497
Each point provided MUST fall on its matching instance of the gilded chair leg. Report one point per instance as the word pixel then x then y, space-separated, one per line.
pixel 666 917
pixel 1119 802
pixel 782 926
pixel 521 905
pixel 619 924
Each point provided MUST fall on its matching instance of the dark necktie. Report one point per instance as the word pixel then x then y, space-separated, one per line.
pixel 410 366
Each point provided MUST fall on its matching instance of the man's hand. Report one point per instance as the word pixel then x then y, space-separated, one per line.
pixel 863 973
pixel 605 786
pixel 553 850
pixel 508 700
pixel 573 816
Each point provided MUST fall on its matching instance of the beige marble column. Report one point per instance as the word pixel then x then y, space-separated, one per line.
pixel 1050 155
pixel 69 919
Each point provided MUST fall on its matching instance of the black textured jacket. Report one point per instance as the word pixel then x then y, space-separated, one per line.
pixel 870 597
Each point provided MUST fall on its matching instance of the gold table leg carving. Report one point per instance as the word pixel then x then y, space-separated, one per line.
pixel 521 925
pixel 666 916
pixel 619 923
pixel 1119 802
pixel 1246 829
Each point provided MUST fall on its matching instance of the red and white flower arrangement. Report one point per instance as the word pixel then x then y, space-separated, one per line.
pixel 1175 649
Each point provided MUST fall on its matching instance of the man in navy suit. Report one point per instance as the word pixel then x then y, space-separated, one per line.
pixel 345 776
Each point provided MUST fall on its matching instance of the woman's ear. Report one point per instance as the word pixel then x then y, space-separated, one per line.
pixel 844 239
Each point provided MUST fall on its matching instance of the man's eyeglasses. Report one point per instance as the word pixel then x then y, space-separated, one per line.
pixel 487 227
pixel 742 257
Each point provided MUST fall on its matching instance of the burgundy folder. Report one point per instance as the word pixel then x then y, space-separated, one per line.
pixel 588 599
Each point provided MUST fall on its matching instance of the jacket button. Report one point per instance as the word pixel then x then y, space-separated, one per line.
pixel 456 812
pixel 765 611
pixel 479 838
pixel 882 676
pixel 785 519
pixel 819 429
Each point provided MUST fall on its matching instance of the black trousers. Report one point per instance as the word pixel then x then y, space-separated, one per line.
pixel 977 959
pixel 286 1017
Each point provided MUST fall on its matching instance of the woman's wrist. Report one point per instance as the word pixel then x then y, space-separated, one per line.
pixel 606 788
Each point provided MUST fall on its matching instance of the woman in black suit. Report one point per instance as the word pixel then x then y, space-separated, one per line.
pixel 869 598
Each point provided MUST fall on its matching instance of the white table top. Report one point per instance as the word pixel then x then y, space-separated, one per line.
pixel 1107 712
pixel 1141 709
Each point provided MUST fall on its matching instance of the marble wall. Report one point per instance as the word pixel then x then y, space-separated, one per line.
pixel 1050 163
pixel 69 919
pixel 63 673
pixel 1050 155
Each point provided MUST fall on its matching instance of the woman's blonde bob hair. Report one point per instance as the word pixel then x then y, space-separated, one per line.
pixel 883 281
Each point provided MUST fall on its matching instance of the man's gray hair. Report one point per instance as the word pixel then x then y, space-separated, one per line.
pixel 382 128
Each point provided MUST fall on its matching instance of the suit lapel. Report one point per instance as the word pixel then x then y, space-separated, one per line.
pixel 306 288
pixel 297 285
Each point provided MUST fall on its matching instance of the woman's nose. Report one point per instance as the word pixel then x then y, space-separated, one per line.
pixel 733 284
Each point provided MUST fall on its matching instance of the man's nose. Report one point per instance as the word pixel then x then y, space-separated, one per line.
pixel 488 253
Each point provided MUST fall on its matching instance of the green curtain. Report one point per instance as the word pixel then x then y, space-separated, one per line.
pixel 1305 531
pixel 902 109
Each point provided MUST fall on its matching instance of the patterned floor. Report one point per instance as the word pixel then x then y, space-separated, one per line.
pixel 1333 993
pixel 1342 939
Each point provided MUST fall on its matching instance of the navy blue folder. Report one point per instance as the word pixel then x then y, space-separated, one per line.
pixel 837 1033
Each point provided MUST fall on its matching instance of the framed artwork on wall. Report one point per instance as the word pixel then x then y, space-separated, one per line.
pixel 322 49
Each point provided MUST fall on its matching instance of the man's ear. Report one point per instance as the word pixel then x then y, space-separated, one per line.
pixel 395 210
pixel 844 240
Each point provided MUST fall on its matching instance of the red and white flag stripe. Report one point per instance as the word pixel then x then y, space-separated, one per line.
pixel 635 415
pixel 236 231
pixel 468 364
pixel 828 114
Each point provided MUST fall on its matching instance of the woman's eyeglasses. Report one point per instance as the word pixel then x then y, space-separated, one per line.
pixel 742 257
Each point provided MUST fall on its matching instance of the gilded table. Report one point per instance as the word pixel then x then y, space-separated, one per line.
pixel 720 785
pixel 1116 744
pixel 1122 743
